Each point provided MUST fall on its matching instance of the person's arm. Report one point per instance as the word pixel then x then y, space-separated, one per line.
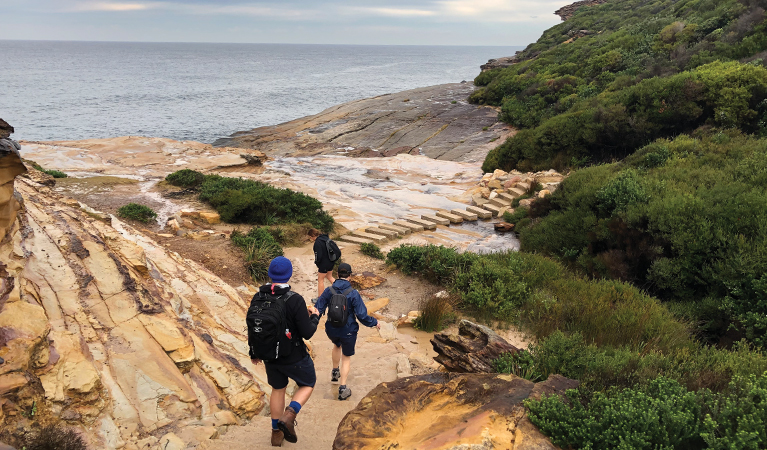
pixel 306 325
pixel 322 301
pixel 361 311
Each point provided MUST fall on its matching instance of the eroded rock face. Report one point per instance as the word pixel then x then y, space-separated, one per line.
pixel 103 328
pixel 443 411
pixel 473 349
pixel 435 121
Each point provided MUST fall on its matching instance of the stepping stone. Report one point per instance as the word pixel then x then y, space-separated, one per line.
pixel 424 223
pixel 481 213
pixel 354 240
pixel 501 203
pixel 506 196
pixel 453 218
pixel 524 186
pixel 493 209
pixel 465 215
pixel 409 225
pixel 435 219
pixel 377 238
pixel 517 192
pixel 386 233
pixel 400 230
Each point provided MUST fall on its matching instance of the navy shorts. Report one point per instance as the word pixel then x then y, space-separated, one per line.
pixel 302 372
pixel 346 343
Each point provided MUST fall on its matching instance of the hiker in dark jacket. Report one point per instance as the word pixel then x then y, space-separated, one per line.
pixel 344 338
pixel 297 364
pixel 322 260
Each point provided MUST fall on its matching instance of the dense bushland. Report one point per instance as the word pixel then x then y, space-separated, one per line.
pixel 659 415
pixel 686 219
pixel 239 200
pixel 641 70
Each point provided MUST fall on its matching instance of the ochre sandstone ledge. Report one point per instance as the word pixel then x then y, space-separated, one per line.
pixel 436 121
pixel 107 331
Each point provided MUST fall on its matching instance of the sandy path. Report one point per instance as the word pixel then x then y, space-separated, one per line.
pixel 375 361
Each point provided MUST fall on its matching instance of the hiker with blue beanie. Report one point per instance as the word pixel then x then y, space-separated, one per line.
pixel 278 321
pixel 344 307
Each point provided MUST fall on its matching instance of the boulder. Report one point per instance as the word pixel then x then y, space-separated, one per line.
pixel 494 184
pixel 366 280
pixel 437 411
pixel 377 305
pixel 544 193
pixel 503 227
pixel 473 349
pixel 210 217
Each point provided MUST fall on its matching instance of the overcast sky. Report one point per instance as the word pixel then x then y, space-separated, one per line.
pixel 427 22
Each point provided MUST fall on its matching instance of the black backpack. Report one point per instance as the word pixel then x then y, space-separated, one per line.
pixel 338 310
pixel 269 336
pixel 333 251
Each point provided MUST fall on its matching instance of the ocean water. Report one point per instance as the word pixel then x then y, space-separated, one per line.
pixel 82 90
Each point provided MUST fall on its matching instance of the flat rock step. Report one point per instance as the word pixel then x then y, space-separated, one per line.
pixel 481 213
pixel 354 240
pixel 409 225
pixel 453 218
pixel 377 238
pixel 386 233
pixel 435 219
pixel 424 223
pixel 399 230
pixel 508 197
pixel 465 215
pixel 517 192
pixel 501 203
pixel 495 210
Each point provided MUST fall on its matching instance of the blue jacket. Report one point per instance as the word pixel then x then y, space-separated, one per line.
pixel 356 305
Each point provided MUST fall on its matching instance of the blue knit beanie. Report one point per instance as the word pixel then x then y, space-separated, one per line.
pixel 280 270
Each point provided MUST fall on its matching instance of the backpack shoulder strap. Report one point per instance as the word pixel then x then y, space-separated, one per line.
pixel 346 292
pixel 287 295
pixel 333 290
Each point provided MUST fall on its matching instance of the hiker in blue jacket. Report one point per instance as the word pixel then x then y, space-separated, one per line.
pixel 344 338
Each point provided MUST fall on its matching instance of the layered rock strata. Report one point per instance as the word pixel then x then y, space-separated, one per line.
pixel 106 330
pixel 472 350
pixel 436 121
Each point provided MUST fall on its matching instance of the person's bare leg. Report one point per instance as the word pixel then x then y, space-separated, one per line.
pixel 336 355
pixel 346 364
pixel 277 403
pixel 330 278
pixel 302 395
pixel 320 284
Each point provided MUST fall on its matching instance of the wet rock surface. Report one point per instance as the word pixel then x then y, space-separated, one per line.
pixel 435 121
pixel 442 411
pixel 103 328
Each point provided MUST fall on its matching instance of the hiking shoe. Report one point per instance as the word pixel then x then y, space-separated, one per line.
pixel 315 300
pixel 287 425
pixel 335 375
pixel 344 392
pixel 277 438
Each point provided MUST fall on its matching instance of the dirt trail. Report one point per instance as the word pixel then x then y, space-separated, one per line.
pixel 375 361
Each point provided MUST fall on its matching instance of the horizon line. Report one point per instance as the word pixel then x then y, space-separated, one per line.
pixel 251 43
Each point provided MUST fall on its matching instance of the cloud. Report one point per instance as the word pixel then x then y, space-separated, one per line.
pixel 400 12
pixel 107 6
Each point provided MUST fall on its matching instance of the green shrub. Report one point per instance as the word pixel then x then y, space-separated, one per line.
pixel 521 364
pixel 245 201
pixel 55 173
pixel 661 415
pixel 260 248
pixel 185 178
pixel 738 416
pixel 135 211
pixel 436 314
pixel 372 251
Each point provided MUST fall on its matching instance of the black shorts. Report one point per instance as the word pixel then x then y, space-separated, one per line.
pixel 325 266
pixel 346 343
pixel 302 372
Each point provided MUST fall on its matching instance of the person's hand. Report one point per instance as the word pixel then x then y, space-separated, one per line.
pixel 378 324
pixel 255 361
pixel 313 311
